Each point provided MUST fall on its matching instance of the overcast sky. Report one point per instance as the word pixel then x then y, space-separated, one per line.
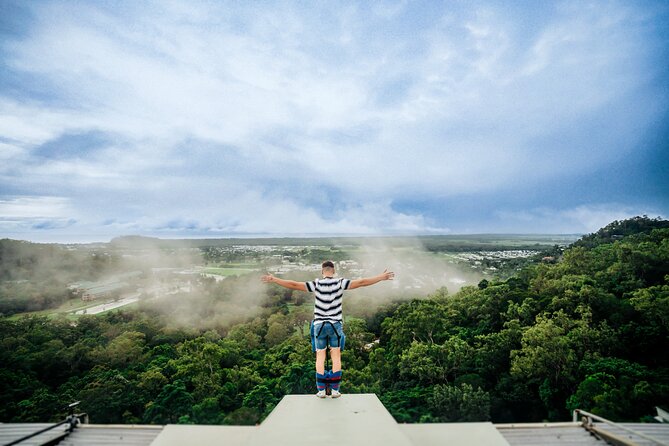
pixel 215 119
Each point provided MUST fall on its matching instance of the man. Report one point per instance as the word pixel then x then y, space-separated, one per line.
pixel 326 328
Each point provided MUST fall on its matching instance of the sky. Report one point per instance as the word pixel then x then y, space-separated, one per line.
pixel 181 119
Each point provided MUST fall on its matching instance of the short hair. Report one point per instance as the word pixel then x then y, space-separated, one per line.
pixel 328 264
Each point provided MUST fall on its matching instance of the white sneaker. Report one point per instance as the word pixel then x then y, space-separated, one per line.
pixel 335 393
pixel 321 394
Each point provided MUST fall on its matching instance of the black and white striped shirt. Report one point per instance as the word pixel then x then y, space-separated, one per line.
pixel 328 293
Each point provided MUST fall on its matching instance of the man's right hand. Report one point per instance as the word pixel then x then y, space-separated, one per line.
pixel 387 275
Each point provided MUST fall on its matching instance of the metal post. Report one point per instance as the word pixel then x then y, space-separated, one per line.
pixel 589 425
pixel 72 420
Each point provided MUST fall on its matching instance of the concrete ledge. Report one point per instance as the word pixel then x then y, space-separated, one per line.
pixel 469 434
pixel 352 420
pixel 349 420
pixel 191 435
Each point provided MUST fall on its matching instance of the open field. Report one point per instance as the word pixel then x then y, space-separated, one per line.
pixel 225 271
pixel 495 242
pixel 70 306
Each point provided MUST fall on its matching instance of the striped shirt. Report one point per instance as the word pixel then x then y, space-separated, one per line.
pixel 328 293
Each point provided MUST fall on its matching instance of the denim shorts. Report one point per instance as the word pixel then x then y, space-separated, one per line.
pixel 324 334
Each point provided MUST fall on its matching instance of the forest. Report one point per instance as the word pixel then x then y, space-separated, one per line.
pixel 588 331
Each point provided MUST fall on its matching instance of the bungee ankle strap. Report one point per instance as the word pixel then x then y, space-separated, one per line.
pixel 334 379
pixel 321 381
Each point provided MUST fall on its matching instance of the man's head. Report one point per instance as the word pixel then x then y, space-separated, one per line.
pixel 328 268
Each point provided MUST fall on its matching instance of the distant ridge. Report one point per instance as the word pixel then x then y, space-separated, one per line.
pixel 472 241
pixel 135 241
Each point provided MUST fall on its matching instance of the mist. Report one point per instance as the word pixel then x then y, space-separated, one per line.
pixel 166 278
pixel 205 303
pixel 213 305
pixel 418 273
pixel 416 270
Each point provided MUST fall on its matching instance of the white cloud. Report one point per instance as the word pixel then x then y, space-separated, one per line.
pixel 579 219
pixel 592 218
pixel 28 124
pixel 216 107
pixel 23 215
pixel 34 207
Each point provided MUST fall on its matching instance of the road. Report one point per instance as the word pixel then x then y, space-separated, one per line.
pixel 131 298
pixel 110 305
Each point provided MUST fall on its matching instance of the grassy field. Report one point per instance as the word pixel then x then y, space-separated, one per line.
pixel 247 265
pixel 225 271
pixel 494 242
pixel 67 307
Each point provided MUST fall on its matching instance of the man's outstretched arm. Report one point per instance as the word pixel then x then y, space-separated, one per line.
pixel 290 284
pixel 385 275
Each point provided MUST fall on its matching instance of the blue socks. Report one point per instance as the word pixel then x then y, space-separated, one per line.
pixel 328 379
pixel 321 381
pixel 335 379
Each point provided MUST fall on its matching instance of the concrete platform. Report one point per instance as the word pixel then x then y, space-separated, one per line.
pixel 352 420
pixel 349 420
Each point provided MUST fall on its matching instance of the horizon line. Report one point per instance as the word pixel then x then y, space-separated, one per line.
pixel 261 236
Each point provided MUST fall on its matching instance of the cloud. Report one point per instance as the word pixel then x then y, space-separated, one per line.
pixel 35 213
pixel 591 218
pixel 578 220
pixel 34 207
pixel 290 118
